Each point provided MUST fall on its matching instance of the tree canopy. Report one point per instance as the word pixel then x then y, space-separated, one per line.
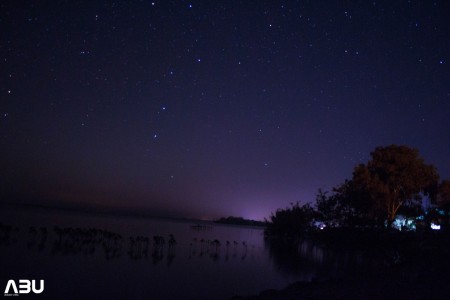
pixel 396 175
pixel 291 221
pixel 444 195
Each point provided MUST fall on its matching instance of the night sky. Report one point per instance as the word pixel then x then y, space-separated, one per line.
pixel 205 109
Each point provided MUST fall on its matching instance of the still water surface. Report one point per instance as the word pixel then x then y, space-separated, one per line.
pixel 118 260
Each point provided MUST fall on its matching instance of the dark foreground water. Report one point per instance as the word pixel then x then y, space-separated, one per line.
pixel 88 256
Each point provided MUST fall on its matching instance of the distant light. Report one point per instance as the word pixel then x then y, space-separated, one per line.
pixel 318 224
pixel 190 5
pixel 435 226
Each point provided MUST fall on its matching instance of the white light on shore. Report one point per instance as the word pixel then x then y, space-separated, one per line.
pixel 435 226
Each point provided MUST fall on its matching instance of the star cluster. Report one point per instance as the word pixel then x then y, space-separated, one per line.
pixel 213 108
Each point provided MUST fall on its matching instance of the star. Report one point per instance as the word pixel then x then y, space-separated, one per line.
pixel 290 85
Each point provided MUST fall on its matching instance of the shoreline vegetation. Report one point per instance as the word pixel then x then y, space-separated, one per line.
pixel 394 210
pixel 240 221
pixel 410 255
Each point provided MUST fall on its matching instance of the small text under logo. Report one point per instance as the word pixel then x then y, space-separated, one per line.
pixel 25 286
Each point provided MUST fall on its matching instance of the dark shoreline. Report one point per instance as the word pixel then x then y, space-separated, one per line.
pixel 395 285
pixel 412 266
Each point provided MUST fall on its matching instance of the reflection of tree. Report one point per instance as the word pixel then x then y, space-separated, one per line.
pixel 213 248
pixel 305 257
pixel 157 255
pixel 138 247
pixel 90 242
pixel 287 257
pixel 85 241
pixel 170 258
pixel 37 238
pixel 214 256
pixel 7 234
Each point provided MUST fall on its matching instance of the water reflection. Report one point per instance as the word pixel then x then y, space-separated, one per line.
pixel 291 257
pixel 88 242
pixel 308 257
pixel 159 249
pixel 111 245
pixel 205 261
pixel 37 238
pixel 73 241
pixel 8 234
pixel 215 249
pixel 138 247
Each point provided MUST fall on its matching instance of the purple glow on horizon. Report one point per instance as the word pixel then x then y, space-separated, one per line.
pixel 207 111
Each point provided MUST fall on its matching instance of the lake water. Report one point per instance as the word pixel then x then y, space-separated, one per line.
pixel 119 259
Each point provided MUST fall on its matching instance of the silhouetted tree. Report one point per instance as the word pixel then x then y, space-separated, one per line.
pixel 327 208
pixel 443 199
pixel 442 215
pixel 330 209
pixel 293 221
pixel 394 176
pixel 348 205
